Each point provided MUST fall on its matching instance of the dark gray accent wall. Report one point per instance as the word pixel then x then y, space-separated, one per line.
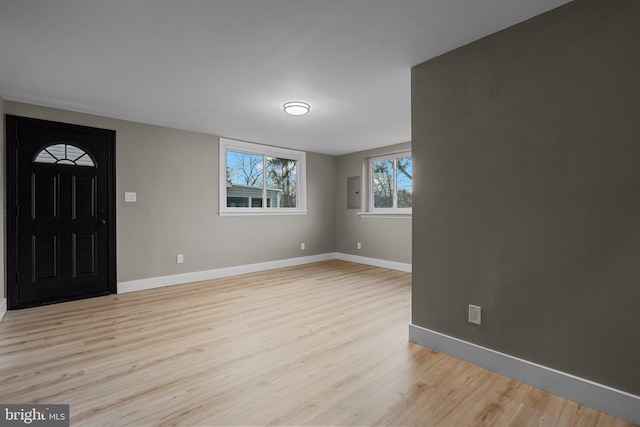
pixel 526 148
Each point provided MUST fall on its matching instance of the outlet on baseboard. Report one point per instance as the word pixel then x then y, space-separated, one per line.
pixel 475 314
pixel 180 258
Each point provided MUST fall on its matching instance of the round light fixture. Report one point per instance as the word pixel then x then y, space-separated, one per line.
pixel 296 108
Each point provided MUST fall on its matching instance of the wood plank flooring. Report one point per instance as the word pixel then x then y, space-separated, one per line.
pixel 319 344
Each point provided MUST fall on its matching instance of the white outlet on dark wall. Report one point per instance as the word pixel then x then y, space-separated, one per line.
pixel 303 246
pixel 359 245
pixel 180 258
pixel 475 314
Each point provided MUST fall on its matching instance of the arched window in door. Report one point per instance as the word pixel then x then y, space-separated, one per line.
pixel 64 154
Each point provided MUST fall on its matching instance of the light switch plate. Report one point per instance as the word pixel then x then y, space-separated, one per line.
pixel 129 197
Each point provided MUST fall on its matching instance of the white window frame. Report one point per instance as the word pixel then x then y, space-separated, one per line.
pixel 393 212
pixel 266 151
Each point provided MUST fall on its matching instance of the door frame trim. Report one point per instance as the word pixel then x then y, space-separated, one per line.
pixel 11 196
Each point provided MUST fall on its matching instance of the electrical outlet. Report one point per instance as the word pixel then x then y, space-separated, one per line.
pixel 180 258
pixel 359 245
pixel 302 246
pixel 475 314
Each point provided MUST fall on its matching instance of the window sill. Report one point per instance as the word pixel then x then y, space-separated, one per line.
pixel 256 212
pixel 384 215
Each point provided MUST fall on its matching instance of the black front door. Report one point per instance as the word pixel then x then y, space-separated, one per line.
pixel 60 212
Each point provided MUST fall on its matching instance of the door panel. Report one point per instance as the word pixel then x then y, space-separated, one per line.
pixel 45 193
pixel 44 250
pixel 61 228
pixel 84 254
pixel 83 197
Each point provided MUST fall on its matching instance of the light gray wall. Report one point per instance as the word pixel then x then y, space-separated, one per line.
pixel 175 176
pixel 526 147
pixel 381 238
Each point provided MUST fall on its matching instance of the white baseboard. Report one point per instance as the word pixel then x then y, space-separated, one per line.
pixel 3 308
pixel 392 265
pixel 177 279
pixel 603 398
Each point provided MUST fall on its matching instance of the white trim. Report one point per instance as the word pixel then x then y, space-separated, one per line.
pixel 384 215
pixel 177 279
pixel 3 308
pixel 261 212
pixel 601 397
pixel 392 265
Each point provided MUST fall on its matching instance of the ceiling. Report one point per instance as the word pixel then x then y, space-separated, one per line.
pixel 226 67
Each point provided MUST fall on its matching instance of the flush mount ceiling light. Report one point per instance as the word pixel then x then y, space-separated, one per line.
pixel 296 108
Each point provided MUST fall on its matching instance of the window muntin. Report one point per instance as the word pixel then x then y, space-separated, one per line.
pixel 391 183
pixel 64 154
pixel 259 179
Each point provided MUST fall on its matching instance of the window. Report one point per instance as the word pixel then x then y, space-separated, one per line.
pixel 261 180
pixel 390 184
pixel 64 154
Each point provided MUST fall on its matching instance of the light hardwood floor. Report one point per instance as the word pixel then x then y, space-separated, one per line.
pixel 320 344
